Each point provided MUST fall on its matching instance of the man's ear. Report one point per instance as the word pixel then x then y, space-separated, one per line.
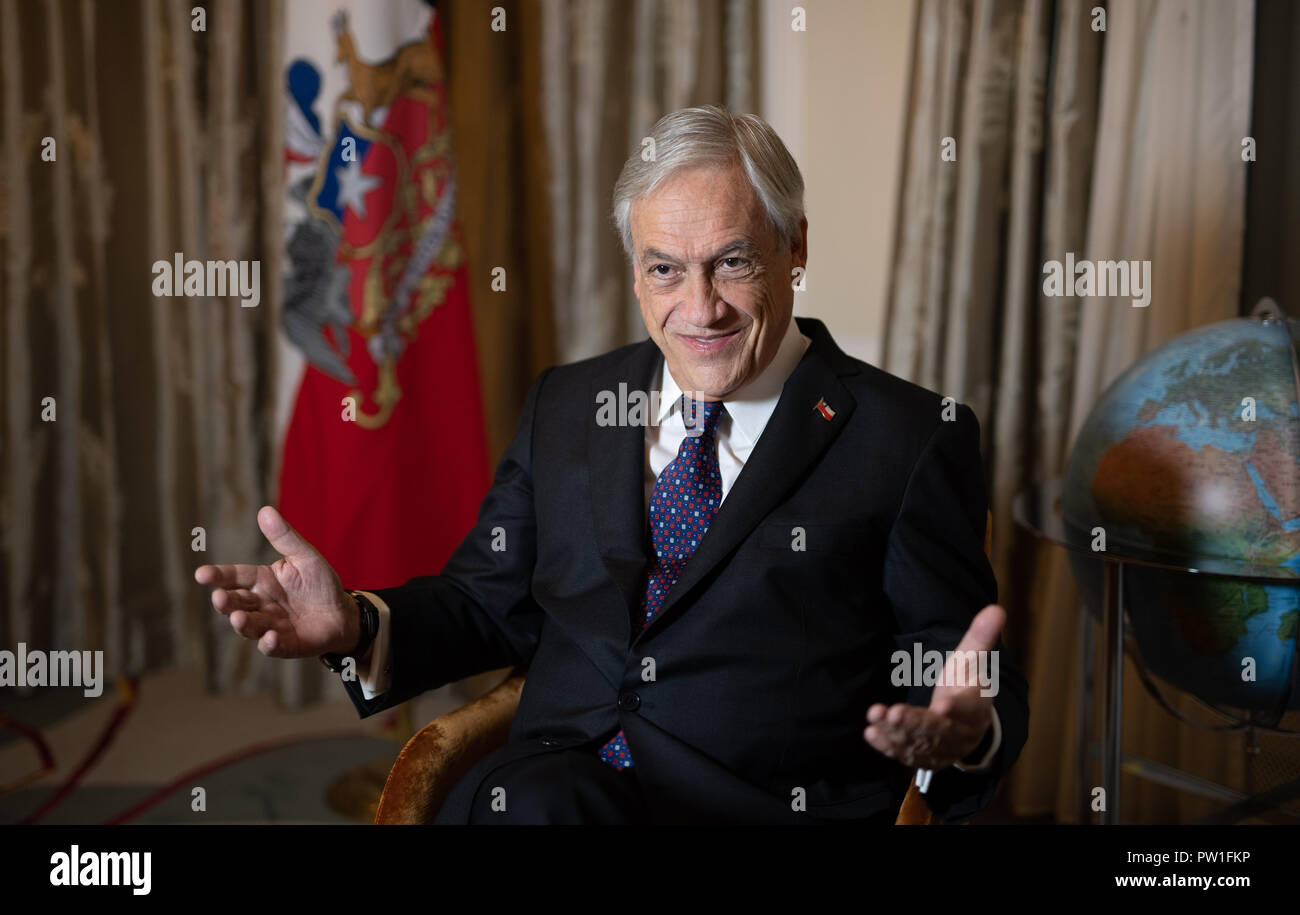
pixel 799 245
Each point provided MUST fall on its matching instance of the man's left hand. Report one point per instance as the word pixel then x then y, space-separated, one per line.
pixel 958 717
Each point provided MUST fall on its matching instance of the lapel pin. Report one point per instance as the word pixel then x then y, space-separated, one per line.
pixel 825 410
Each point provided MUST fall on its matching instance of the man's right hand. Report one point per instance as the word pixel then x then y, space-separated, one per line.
pixel 296 607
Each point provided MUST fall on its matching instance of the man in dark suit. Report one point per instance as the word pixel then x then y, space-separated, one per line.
pixel 717 551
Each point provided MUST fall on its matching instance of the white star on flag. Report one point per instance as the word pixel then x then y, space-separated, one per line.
pixel 354 184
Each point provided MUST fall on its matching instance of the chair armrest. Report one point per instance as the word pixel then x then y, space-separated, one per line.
pixel 443 751
pixel 914 811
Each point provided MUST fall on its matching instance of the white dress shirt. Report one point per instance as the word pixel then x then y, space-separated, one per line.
pixel 748 410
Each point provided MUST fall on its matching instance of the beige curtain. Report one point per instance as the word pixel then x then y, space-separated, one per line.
pixel 964 317
pixel 167 140
pixel 1122 143
pixel 609 71
pixel 502 200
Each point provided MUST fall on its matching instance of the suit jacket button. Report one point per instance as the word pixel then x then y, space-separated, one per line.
pixel 548 742
pixel 629 701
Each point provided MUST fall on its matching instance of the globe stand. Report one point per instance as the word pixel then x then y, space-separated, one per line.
pixel 1038 510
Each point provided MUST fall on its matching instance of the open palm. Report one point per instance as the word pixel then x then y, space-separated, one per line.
pixel 958 716
pixel 295 607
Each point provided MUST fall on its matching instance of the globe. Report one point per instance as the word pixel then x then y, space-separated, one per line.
pixel 1192 458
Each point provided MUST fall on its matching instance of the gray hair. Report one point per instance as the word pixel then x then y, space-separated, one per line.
pixel 713 136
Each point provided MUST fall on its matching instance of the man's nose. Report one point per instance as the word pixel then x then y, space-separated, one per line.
pixel 703 305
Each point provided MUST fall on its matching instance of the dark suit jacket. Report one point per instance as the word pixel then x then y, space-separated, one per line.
pixel 766 658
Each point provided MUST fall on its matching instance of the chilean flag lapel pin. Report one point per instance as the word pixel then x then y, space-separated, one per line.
pixel 825 410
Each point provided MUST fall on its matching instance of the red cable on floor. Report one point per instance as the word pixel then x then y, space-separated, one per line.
pixel 42 751
pixel 126 688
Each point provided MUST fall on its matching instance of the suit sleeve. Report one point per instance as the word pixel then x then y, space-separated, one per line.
pixel 937 577
pixel 478 614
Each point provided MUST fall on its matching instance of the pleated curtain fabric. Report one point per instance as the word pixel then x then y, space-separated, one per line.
pixel 1122 143
pixel 166 139
pixel 493 80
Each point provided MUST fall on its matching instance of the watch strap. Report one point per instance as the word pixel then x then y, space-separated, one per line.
pixel 369 629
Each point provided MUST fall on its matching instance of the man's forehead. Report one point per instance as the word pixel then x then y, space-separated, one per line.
pixel 698 214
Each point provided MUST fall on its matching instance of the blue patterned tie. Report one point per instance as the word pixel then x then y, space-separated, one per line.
pixel 682 505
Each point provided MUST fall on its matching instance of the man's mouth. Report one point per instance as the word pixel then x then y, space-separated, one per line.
pixel 709 343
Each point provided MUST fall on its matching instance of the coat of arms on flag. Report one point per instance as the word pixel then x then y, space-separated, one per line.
pixel 378 198
pixel 385 427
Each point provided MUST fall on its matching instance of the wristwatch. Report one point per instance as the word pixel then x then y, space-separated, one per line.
pixel 369 629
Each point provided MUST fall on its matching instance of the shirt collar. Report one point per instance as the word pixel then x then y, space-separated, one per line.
pixel 751 405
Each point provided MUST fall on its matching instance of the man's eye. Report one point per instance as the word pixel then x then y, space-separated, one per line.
pixel 733 263
pixel 661 270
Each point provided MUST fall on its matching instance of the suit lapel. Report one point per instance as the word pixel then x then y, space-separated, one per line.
pixel 616 468
pixel 795 437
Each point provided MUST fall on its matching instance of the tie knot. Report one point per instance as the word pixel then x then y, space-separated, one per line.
pixel 701 416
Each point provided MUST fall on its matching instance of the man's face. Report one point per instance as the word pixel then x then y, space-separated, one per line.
pixel 714 282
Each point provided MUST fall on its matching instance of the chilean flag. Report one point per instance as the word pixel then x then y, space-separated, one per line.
pixel 385 456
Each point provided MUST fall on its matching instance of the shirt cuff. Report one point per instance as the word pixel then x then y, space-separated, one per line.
pixel 374 676
pixel 992 751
